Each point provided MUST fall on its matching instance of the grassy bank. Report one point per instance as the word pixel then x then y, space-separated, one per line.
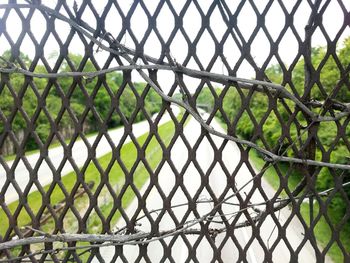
pixel 116 177
pixel 322 230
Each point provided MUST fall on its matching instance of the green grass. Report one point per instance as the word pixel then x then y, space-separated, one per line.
pixel 271 175
pixel 116 178
pixel 322 230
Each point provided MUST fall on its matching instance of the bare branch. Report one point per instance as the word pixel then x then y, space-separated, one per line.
pixel 120 51
pixel 66 238
pixel 256 85
pixel 141 237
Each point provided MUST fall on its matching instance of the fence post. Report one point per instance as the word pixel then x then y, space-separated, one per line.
pixel 312 126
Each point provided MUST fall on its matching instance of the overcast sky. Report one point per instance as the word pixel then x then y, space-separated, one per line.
pixel 275 20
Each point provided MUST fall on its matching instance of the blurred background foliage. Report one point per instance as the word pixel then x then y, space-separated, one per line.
pixel 101 102
pixel 243 114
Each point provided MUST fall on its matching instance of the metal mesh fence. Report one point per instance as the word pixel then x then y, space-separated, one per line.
pixel 174 131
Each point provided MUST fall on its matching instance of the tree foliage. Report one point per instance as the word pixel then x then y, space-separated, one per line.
pixel 96 102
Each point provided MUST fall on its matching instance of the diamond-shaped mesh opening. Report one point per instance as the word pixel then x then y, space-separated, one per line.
pixel 153 46
pixel 70 222
pixel 244 127
pixel 244 12
pixel 127 103
pixel 7 102
pixel 14 19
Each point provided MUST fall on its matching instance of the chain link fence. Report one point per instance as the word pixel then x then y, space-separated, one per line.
pixel 174 131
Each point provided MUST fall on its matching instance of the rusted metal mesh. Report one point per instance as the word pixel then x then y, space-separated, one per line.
pixel 203 216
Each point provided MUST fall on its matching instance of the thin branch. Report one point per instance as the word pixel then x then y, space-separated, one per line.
pixel 123 239
pixel 67 238
pixel 138 238
pixel 273 157
pixel 99 245
pixel 256 85
pixel 120 51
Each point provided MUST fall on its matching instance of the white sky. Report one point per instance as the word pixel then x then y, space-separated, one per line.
pixel 275 20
